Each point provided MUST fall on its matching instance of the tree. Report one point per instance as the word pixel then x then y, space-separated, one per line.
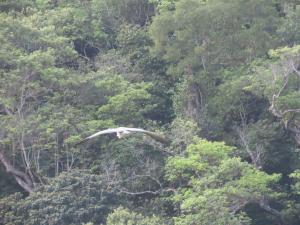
pixel 292 204
pixel 121 216
pixel 50 96
pixel 198 38
pixel 29 70
pixel 222 38
pixel 196 68
pixel 215 188
pixel 283 92
pixel 71 198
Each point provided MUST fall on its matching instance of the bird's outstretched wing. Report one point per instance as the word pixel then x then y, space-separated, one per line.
pixel 107 131
pixel 153 135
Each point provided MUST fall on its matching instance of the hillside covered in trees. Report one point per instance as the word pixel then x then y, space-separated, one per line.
pixel 220 79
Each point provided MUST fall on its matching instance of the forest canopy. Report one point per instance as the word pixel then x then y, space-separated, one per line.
pixel 220 79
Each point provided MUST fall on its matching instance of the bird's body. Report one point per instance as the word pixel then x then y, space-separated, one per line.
pixel 122 134
pixel 124 131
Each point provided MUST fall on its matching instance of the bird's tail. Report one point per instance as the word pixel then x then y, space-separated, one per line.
pixel 157 137
pixel 81 141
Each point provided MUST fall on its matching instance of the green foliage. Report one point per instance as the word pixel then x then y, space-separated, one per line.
pixel 134 42
pixel 71 198
pixel 216 186
pixel 201 156
pixel 289 30
pixel 121 216
pixel 15 5
pixel 222 70
pixel 131 98
pixel 182 133
pixel 278 80
pixel 296 177
pixel 209 34
pixel 50 96
pixel 292 206
pixel 37 88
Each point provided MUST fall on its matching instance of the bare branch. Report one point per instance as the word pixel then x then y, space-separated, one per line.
pixel 291 111
pixel 289 68
pixel 263 203
pixel 257 153
pixel 22 178
pixel 295 70
pixel 157 192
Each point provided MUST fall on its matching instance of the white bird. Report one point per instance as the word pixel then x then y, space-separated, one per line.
pixel 124 131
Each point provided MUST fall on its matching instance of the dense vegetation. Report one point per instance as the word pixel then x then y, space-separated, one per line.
pixel 219 78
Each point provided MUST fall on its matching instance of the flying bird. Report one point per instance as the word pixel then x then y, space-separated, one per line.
pixel 124 131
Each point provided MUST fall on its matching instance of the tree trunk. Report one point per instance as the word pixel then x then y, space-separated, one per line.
pixel 22 178
pixel 195 98
pixel 295 128
pixel 265 206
